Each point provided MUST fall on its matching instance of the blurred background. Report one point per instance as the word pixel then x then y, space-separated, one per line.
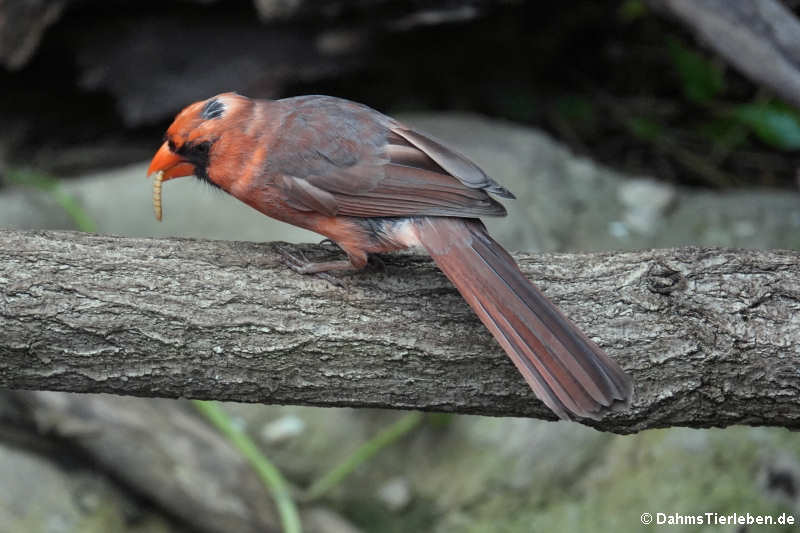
pixel 619 125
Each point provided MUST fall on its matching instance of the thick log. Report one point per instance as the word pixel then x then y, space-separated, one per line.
pixel 161 449
pixel 710 336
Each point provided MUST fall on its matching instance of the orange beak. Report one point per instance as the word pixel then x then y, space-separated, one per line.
pixel 170 163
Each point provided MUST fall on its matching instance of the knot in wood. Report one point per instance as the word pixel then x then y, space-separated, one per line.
pixel 662 279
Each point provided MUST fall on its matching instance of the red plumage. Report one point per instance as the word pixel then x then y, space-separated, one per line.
pixel 371 184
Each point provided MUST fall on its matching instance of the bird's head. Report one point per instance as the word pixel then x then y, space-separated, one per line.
pixel 190 141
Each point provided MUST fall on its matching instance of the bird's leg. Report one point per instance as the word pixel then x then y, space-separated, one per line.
pixel 302 265
pixel 320 268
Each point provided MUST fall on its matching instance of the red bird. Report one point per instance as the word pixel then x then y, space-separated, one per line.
pixel 371 184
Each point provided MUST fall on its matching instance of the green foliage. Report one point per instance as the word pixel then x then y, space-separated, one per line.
pixel 43 182
pixel 726 133
pixel 631 10
pixel 273 480
pixel 701 79
pixel 371 515
pixel 363 454
pixel 774 124
pixel 516 101
pixel 679 470
pixel 439 420
pixel 645 128
pixel 577 109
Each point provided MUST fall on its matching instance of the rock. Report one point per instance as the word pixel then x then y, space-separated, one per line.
pixel 646 202
pixel 395 494
pixel 283 429
pixel 563 202
pixel 322 520
pixel 120 202
pixel 40 495
pixel 330 435
pixel 609 487
pixel 566 202
pixel 164 450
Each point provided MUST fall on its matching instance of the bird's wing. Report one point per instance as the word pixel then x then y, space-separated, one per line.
pixel 340 158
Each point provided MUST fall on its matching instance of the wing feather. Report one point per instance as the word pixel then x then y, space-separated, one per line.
pixel 366 164
pixel 304 196
pixel 454 163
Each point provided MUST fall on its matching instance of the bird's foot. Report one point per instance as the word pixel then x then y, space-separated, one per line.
pixel 302 265
pixel 328 243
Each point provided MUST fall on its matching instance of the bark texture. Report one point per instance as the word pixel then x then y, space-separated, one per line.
pixel 761 38
pixel 711 337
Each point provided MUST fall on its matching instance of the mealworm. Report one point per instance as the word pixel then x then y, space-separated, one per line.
pixel 157 179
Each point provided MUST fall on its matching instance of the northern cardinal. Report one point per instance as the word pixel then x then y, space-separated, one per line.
pixel 372 184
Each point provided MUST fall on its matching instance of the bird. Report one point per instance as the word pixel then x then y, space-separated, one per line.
pixel 372 184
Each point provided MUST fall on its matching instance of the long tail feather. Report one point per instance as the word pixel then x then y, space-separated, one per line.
pixel 565 369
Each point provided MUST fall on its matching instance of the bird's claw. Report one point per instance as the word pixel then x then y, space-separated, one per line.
pixel 302 265
pixel 292 261
pixel 328 243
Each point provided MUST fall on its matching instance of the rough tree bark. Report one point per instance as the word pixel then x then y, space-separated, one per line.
pixel 711 337
pixel 761 38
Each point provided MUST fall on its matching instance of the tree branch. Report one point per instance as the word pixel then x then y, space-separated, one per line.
pixel 711 337
pixel 761 38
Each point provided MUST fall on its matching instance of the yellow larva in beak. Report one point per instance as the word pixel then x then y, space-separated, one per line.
pixel 157 180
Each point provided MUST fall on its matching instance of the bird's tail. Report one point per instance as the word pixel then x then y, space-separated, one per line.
pixel 565 369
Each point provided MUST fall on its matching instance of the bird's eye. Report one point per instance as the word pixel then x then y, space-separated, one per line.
pixel 202 148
